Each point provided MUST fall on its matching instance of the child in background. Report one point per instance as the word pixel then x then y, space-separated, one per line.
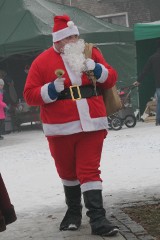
pixel 2 106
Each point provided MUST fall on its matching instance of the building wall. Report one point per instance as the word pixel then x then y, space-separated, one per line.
pixel 137 10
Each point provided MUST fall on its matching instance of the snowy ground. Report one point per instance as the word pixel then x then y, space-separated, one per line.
pixel 130 165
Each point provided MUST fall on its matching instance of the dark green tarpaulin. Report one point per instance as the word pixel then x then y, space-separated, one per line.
pixel 145 31
pixel 23 22
pixel 26 27
pixel 146 35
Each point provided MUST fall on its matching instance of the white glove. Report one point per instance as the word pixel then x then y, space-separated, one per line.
pixel 59 84
pixel 90 64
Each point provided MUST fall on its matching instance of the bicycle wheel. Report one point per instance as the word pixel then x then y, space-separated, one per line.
pixel 116 123
pixel 130 121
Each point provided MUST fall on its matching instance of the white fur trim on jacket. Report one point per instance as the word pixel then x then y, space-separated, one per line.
pixel 91 124
pixel 104 74
pixel 88 123
pixel 66 32
pixel 44 94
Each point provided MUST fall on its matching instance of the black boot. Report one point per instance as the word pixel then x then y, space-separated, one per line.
pixel 73 216
pixel 99 224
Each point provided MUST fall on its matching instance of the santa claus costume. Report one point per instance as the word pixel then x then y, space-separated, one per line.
pixel 74 121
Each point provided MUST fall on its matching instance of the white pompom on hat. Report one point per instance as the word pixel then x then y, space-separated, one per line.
pixel 63 27
pixel 1 82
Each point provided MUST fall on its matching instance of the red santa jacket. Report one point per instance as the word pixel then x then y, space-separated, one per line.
pixel 63 117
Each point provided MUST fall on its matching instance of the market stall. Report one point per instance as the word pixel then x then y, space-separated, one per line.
pixel 146 36
pixel 26 28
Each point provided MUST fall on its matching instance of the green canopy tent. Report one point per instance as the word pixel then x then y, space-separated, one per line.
pixel 26 28
pixel 146 35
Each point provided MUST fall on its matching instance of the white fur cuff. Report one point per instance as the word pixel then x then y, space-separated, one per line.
pixel 44 94
pixel 104 74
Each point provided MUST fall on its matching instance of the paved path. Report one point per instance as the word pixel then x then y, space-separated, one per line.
pixel 46 226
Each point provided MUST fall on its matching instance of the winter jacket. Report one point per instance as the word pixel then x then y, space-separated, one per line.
pixel 2 106
pixel 152 65
pixel 7 212
pixel 63 117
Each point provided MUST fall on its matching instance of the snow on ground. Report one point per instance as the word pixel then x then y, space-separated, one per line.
pixel 130 161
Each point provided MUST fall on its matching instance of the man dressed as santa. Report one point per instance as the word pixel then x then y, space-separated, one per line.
pixel 74 120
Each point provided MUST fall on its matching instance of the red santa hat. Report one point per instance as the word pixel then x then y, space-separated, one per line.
pixel 63 27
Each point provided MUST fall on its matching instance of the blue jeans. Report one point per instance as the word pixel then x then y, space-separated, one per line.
pixel 158 106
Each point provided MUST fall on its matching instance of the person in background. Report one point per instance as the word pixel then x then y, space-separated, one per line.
pixel 10 92
pixel 10 96
pixel 74 120
pixel 150 108
pixel 26 68
pixel 7 212
pixel 153 64
pixel 2 107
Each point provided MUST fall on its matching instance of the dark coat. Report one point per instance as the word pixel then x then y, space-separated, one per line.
pixel 152 65
pixel 7 213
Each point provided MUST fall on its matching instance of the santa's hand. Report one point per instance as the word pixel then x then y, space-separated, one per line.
pixel 59 84
pixel 90 64
pixel 99 71
pixel 55 87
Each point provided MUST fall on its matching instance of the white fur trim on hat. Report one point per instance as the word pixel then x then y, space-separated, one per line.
pixel 66 32
pixel 70 24
pixel 1 82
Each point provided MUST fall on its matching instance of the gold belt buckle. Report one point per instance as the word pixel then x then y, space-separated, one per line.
pixel 78 91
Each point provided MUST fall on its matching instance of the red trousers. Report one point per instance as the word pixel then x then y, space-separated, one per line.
pixel 77 156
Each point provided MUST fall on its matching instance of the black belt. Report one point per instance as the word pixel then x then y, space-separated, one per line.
pixel 77 92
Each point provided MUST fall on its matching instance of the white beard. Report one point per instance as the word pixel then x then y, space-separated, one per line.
pixel 74 56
